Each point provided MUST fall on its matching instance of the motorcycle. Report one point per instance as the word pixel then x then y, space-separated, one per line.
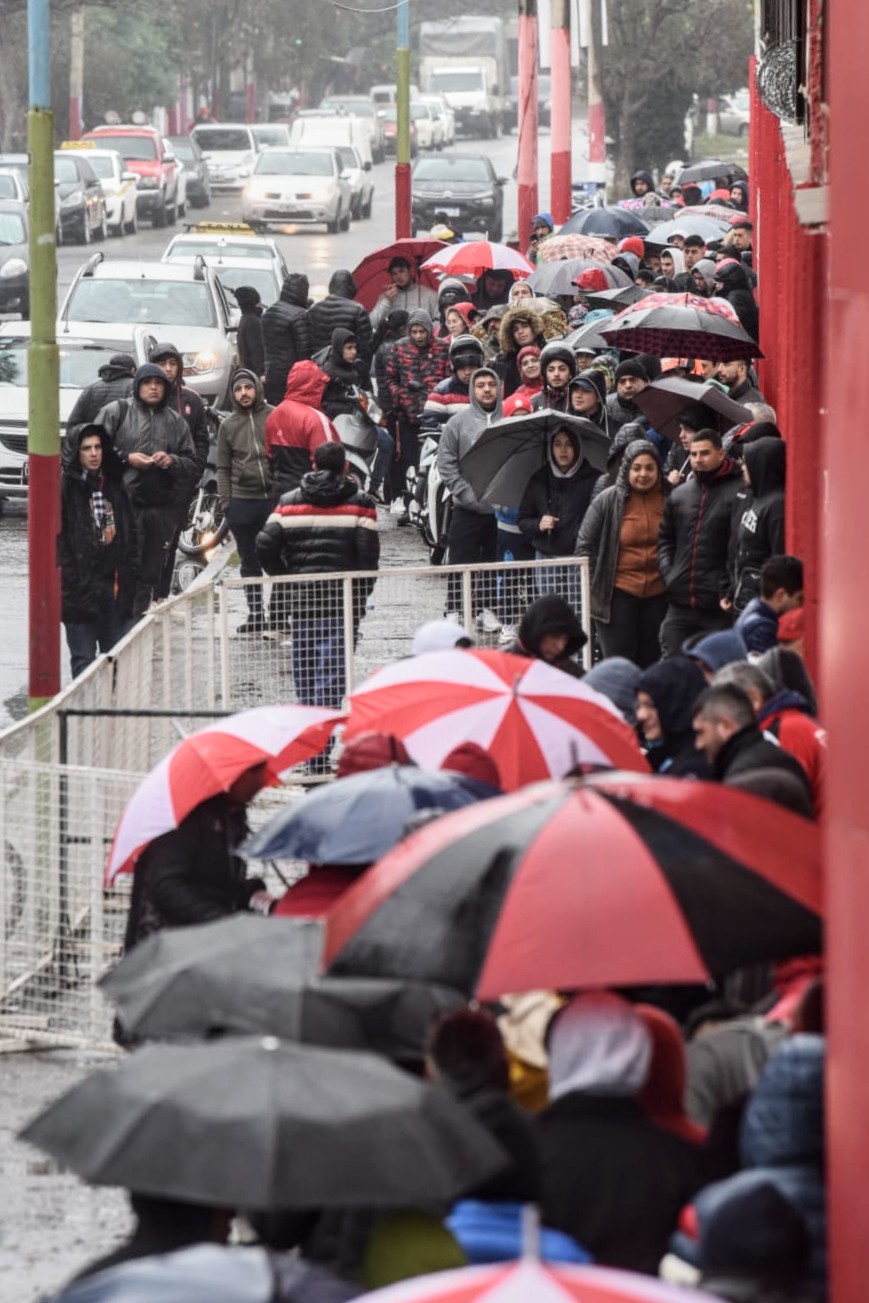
pixel 430 504
pixel 205 526
pixel 358 433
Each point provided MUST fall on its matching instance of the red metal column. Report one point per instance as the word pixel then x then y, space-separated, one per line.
pixel 561 173
pixel 526 129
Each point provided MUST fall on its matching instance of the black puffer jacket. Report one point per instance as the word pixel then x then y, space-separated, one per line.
pixel 189 405
pixel 115 381
pixel 562 496
pixel 92 574
pixel 735 281
pixel 694 543
pixel 760 533
pixel 286 334
pixel 339 310
pixel 674 686
pixel 338 397
pixel 136 427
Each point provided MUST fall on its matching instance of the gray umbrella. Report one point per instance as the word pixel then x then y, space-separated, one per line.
pixel 261 1124
pixel 687 223
pixel 664 400
pixel 507 454
pixel 589 336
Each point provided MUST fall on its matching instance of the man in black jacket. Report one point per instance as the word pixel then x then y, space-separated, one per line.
pixel 326 526
pixel 251 352
pixel 694 543
pixel 726 731
pixel 286 334
pixel 336 310
pixel 115 381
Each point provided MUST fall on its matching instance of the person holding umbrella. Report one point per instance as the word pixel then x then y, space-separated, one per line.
pixel 404 292
pixel 554 505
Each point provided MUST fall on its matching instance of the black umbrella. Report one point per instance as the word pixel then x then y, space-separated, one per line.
pixel 664 400
pixel 688 223
pixel 257 1123
pixel 356 820
pixel 558 277
pixel 589 336
pixel 611 223
pixel 623 297
pixel 507 454
pixel 712 169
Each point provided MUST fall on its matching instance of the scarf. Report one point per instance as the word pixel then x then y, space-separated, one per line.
pixel 102 511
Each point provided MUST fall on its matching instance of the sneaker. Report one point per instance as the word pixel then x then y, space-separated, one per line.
pixel 488 621
pixel 403 519
pixel 453 617
pixel 396 507
pixel 508 633
pixel 253 626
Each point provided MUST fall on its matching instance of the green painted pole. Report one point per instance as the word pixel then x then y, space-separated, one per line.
pixel 402 124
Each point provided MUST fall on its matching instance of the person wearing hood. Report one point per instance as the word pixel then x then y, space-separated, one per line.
pixel 695 541
pixel 297 426
pixel 338 311
pixel 530 382
pixel 553 507
pixel 473 527
pixel 780 589
pixel 620 536
pixel 392 328
pixel 739 195
pixel 155 447
pixel 453 394
pixel 586 397
pixel 487 328
pixel 550 631
pixel 286 334
pixel 642 184
pixel 341 363
pixel 493 288
pixel 733 283
pixel 631 379
pixel 416 365
pixel 542 224
pixel 612 1179
pixel 703 274
pixel 404 291
pixel 712 651
pixel 244 483
pixel 187 402
pixel 672 262
pixel 558 365
pixel 98 546
pixel 451 292
pixel 761 530
pixel 617 678
pixel 251 351
pixel 666 693
pixel 520 292
pixel 325 526
pixel 115 381
pixel 521 327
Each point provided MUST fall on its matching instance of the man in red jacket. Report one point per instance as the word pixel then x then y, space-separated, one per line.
pixel 296 427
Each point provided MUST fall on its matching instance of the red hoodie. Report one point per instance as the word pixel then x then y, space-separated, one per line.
pixel 296 426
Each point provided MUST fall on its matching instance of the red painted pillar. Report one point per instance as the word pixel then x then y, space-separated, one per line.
pixel 561 173
pixel 250 100
pixel 526 129
pixel 845 638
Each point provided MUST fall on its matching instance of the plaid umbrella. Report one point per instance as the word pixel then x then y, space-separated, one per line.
pixel 611 223
pixel 576 246
pixel 681 328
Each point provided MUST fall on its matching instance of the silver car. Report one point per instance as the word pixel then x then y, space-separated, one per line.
pixel 299 185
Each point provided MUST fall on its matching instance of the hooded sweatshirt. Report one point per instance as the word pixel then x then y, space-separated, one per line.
pixel 460 434
pixel 413 370
pixel 674 686
pixel 551 614
pixel 565 495
pixel 137 427
pixel 761 530
pixel 735 282
pixel 188 403
pixel 344 377
pixel 286 333
pixel 339 311
pixel 296 426
pixel 115 381
pixel 243 466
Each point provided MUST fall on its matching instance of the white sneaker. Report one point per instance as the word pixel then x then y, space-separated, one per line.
pixel 508 633
pixel 488 621
pixel 396 507
pixel 453 617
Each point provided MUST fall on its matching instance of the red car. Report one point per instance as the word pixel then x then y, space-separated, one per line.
pixel 146 153
pixel 390 130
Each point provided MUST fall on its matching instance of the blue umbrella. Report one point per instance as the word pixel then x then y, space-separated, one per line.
pixel 356 820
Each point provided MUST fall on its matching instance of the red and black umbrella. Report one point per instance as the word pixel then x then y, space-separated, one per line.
pixel 614 880
pixel 686 326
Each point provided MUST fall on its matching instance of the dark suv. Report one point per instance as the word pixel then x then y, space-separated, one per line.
pixel 461 189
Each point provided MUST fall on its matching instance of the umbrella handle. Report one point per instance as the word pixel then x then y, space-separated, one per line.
pixel 531 1232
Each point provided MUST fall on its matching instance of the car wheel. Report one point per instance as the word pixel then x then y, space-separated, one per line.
pixel 366 208
pixel 84 233
pixel 332 227
pixel 159 218
pixel 344 224
pixel 103 229
pixel 172 213
pixel 356 211
pixel 206 202
pixel 117 231
pixel 132 226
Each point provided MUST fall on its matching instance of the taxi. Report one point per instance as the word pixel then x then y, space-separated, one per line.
pixel 223 241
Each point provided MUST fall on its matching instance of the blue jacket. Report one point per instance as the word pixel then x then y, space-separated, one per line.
pixel 758 625
pixel 492 1232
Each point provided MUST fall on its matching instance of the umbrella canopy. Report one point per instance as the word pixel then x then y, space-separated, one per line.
pixel 208 762
pixel 712 169
pixel 558 277
pixel 506 455
pixel 535 721
pixel 521 1282
pixel 266 985
pixel 622 297
pixel 616 880
pixel 205 1273
pixel 576 246
pixel 682 325
pixel 477 256
pixel 664 400
pixel 687 223
pixel 356 820
pixel 611 223
pixel 372 273
pixel 589 336
pixel 720 212
pixel 249 1122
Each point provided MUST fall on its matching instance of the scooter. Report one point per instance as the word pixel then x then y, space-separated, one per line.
pixel 431 504
pixel 358 433
pixel 205 526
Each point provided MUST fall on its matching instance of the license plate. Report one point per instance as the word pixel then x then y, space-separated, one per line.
pixel 450 212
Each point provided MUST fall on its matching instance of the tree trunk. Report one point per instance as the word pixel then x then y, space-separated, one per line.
pixel 625 147
pixel 13 127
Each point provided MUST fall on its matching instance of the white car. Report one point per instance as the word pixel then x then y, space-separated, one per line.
pixel 429 132
pixel 444 115
pixel 13 184
pixel 261 274
pixel 299 185
pixel 360 106
pixel 270 135
pixel 82 353
pixel 361 185
pixel 225 241
pixel 119 188
pixel 230 151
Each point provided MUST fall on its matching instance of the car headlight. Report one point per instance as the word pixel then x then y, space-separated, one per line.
pixel 14 267
pixel 147 183
pixel 322 194
pixel 74 197
pixel 196 364
pixel 482 200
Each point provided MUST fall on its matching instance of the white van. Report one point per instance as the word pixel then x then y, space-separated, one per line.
pixel 384 96
pixel 230 150
pixel 333 129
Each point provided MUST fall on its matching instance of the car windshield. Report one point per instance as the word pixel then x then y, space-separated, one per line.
pixel 138 147
pixel 215 140
pixel 183 148
pixel 8 187
pixel 276 135
pixel 347 156
pixel 458 168
pixel 151 302
pixel 294 163
pixel 419 110
pixel 214 249
pixel 12 229
pixel 389 114
pixel 457 80
pixel 361 108
pixel 65 170
pixel 79 363
pixel 101 165
pixel 262 279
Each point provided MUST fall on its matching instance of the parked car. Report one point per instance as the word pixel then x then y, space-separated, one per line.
pixel 389 119
pixel 429 131
pixel 734 113
pixel 14 258
pixel 444 115
pixel 192 161
pixel 82 202
pixel 299 185
pixel 361 106
pixel 230 151
pixel 13 184
pixel 334 130
pixel 464 188
pixel 225 240
pixel 270 135
pixel 81 354
pixel 174 299
pixel 119 186
pixel 359 176
pixel 145 153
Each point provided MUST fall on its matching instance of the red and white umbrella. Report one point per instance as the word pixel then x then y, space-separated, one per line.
pixel 535 721
pixel 209 762
pixel 477 256
pixel 521 1282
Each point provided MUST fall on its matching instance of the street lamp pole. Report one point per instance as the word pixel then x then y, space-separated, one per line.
pixel 402 121
pixel 43 439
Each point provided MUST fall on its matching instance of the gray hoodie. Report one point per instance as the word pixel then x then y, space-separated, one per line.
pixel 243 467
pixel 460 434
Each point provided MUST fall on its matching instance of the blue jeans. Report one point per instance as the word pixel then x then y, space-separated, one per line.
pixel 84 639
pixel 383 457
pixel 563 580
pixel 318 661
pixel 246 517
